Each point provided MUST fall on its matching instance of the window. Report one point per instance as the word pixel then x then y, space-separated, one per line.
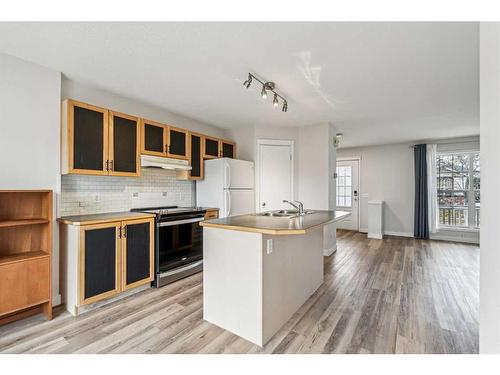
pixel 458 189
pixel 344 186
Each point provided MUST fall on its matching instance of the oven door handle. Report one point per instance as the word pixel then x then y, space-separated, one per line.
pixel 177 222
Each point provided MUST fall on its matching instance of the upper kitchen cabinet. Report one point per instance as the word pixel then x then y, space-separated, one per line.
pixel 124 148
pixel 177 143
pixel 195 156
pixel 211 147
pixel 97 141
pixel 84 139
pixel 154 138
pixel 227 149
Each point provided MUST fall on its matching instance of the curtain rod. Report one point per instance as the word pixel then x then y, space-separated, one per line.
pixel 445 143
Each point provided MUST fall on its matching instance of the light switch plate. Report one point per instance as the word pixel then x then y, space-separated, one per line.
pixel 269 243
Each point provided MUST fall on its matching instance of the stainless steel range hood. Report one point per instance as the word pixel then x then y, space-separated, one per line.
pixel 148 161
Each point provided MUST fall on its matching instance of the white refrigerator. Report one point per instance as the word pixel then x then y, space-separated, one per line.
pixel 228 185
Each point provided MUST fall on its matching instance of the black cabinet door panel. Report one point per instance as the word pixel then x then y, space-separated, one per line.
pixel 124 145
pixel 177 143
pixel 195 156
pixel 100 261
pixel 212 147
pixel 138 252
pixel 227 150
pixel 153 138
pixel 88 139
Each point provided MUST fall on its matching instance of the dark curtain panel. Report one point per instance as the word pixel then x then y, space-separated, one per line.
pixel 421 224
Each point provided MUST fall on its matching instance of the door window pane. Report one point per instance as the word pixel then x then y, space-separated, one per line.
pixel 344 186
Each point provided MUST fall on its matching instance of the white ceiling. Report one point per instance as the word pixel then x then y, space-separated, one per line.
pixel 377 82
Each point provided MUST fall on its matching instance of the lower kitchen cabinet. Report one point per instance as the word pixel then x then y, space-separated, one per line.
pixel 99 275
pixel 102 260
pixel 137 253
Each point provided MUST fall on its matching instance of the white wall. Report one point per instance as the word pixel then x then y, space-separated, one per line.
pixel 106 99
pixel 489 317
pixel 29 134
pixel 386 174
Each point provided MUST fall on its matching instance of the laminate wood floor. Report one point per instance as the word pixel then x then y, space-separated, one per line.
pixel 396 295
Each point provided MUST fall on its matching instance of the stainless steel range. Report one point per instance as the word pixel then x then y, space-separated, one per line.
pixel 178 242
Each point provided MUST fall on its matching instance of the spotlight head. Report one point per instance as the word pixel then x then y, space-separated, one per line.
pixel 285 106
pixel 275 100
pixel 263 92
pixel 248 82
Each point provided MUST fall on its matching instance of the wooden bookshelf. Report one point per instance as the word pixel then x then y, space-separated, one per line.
pixel 25 253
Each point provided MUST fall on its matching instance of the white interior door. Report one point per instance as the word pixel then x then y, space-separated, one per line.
pixel 348 192
pixel 275 175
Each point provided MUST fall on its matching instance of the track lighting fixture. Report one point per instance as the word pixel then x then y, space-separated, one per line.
pixel 267 86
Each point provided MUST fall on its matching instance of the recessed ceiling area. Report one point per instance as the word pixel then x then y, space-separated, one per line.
pixel 377 82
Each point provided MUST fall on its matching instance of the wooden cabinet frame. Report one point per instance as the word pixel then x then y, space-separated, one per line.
pixel 202 164
pixel 111 149
pixel 145 122
pixel 205 156
pixel 81 264
pixel 67 135
pixel 180 130
pixel 150 278
pixel 221 144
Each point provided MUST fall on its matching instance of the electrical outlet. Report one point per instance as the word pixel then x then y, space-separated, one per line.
pixel 82 204
pixel 269 246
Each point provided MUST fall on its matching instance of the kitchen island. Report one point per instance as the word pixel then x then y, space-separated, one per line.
pixel 258 270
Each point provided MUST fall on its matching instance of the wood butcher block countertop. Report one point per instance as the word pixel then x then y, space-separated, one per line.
pixel 277 225
pixel 103 218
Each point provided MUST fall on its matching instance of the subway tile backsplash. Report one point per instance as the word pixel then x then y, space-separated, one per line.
pixel 97 194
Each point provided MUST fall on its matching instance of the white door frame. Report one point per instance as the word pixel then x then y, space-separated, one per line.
pixel 271 142
pixel 358 159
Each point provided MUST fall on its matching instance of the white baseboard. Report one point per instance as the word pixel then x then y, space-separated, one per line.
pixel 398 234
pixel 56 300
pixel 328 252
pixel 390 233
pixel 375 235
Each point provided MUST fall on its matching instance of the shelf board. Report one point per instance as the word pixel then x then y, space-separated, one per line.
pixel 21 257
pixel 19 222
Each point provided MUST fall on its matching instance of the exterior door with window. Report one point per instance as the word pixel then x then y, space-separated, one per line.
pixel 348 192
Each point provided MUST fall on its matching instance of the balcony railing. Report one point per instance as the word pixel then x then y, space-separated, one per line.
pixel 454 216
pixel 458 216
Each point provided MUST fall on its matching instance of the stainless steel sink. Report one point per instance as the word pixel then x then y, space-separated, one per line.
pixel 284 213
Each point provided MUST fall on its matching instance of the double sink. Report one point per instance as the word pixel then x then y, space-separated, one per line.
pixel 285 213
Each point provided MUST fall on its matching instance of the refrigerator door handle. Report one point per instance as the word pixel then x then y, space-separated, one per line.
pixel 229 201
pixel 228 175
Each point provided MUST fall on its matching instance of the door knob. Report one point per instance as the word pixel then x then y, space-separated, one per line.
pixel 263 204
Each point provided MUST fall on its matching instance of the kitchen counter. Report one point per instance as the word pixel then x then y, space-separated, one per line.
pixel 259 270
pixel 277 225
pixel 102 218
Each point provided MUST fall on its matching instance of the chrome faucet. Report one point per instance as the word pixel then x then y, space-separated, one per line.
pixel 299 206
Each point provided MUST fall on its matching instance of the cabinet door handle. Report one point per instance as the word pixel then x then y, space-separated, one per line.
pixel 120 232
pixel 112 165
pixel 124 231
pixel 107 165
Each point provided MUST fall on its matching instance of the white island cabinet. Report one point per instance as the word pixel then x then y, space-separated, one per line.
pixel 259 270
